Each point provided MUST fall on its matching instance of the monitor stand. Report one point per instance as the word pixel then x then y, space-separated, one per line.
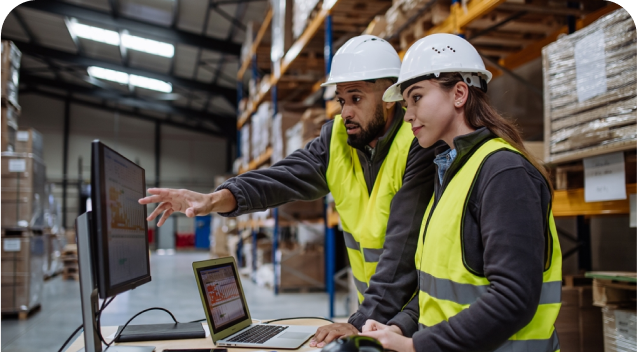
pixel 88 291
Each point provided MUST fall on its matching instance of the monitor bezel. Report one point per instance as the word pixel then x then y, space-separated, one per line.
pixel 99 221
pixel 228 330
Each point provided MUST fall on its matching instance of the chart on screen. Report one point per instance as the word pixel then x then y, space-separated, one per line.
pixel 126 217
pixel 223 295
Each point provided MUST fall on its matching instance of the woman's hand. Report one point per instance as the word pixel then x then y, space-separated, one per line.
pixel 390 337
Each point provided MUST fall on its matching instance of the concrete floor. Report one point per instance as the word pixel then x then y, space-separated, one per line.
pixel 172 287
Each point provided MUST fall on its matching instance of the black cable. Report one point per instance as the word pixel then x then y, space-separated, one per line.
pixel 297 318
pixel 70 337
pixel 98 324
pixel 197 321
pixel 104 305
pixel 135 316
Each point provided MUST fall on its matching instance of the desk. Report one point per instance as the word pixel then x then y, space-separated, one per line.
pixel 196 343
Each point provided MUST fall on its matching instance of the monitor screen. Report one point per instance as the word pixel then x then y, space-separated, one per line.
pixel 223 296
pixel 119 222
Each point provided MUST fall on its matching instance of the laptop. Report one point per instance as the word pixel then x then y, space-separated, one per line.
pixel 228 315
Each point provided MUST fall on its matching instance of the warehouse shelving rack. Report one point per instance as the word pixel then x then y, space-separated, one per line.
pixel 520 44
pixel 352 18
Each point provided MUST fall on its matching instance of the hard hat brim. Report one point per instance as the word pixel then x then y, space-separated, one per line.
pixel 392 93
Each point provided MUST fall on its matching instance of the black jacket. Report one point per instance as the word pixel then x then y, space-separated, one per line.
pixel 302 176
pixel 504 240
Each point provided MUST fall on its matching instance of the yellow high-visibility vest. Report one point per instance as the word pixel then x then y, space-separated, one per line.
pixel 364 216
pixel 447 286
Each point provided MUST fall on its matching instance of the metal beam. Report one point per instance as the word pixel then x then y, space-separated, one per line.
pixel 139 115
pixel 65 157
pixel 147 29
pixel 224 123
pixel 39 51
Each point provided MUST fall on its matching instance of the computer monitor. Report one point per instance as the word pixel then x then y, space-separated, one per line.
pixel 111 238
pixel 118 222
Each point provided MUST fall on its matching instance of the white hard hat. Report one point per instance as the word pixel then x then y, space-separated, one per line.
pixel 362 58
pixel 435 54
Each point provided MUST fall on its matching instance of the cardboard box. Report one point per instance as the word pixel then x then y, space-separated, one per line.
pixel 22 276
pixel 578 324
pixel 23 190
pixel 301 269
pixel 9 127
pixel 300 210
pixel 313 119
pixel 29 141
pixel 620 328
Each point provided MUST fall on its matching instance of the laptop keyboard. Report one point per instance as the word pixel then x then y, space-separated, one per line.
pixel 258 334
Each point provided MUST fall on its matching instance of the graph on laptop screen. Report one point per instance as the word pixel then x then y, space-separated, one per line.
pixel 222 293
pixel 125 220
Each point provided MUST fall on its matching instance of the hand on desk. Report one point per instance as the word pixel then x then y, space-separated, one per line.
pixel 328 333
pixel 188 202
pixel 390 336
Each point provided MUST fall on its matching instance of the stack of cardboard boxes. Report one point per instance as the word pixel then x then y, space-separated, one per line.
pixel 23 199
pixel 22 274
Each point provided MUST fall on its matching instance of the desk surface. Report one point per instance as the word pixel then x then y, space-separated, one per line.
pixel 196 343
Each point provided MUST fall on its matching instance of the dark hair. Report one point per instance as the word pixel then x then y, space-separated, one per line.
pixel 480 113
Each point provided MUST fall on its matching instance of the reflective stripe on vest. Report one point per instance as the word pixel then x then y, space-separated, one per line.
pixel 446 285
pixel 364 216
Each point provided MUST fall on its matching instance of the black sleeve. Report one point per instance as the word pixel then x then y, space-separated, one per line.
pixel 395 280
pixel 300 176
pixel 407 320
pixel 510 206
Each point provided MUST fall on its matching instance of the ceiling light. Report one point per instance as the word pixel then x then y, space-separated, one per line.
pixel 114 38
pixel 125 78
pixel 109 75
pixel 149 83
pixel 148 45
pixel 94 33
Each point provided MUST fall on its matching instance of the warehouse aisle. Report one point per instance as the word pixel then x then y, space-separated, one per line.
pixel 172 287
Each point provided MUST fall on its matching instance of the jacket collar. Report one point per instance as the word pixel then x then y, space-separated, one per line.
pixel 466 145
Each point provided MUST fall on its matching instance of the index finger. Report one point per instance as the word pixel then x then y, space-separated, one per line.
pixel 153 199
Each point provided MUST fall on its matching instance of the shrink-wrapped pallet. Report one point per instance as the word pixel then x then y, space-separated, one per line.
pixel 590 90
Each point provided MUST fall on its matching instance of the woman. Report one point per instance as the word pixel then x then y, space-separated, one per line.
pixel 488 258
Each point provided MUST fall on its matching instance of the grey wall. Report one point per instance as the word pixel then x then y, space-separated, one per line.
pixel 188 159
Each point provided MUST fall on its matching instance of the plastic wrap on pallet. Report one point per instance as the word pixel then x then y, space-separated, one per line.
pixel 395 18
pixel 9 128
pixel 302 11
pixel 294 138
pixel 261 130
pixel 281 123
pixel 251 32
pixel 282 37
pixel 245 145
pixel 620 329
pixel 10 72
pixel 590 80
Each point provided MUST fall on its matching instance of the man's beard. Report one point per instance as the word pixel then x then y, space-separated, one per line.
pixel 369 132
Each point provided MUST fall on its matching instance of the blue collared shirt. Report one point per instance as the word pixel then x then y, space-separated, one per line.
pixel 444 160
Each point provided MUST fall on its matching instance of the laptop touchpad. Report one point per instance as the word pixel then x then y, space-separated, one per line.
pixel 292 335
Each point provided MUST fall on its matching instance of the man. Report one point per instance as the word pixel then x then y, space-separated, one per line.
pixel 381 180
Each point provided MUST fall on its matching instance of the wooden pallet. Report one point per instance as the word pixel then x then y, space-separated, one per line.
pixel 614 288
pixel 71 272
pixel 22 315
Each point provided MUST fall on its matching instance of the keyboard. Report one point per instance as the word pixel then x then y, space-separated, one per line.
pixel 258 334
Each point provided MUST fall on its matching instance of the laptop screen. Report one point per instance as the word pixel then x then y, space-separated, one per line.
pixel 224 299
